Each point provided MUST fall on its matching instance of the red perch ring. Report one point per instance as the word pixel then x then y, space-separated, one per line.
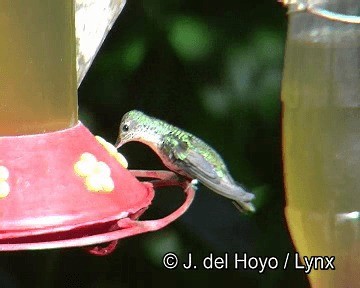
pixel 68 188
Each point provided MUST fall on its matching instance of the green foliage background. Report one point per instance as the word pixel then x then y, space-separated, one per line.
pixel 214 69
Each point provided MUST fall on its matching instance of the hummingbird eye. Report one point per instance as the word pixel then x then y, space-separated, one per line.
pixel 125 128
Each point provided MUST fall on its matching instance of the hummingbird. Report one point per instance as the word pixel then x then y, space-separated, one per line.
pixel 184 154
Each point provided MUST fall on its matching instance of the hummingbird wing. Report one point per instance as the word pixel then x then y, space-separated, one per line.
pixel 187 159
pixel 190 161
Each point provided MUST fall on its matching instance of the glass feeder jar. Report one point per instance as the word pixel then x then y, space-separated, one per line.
pixel 321 137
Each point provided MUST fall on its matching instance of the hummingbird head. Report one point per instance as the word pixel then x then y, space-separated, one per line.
pixel 136 126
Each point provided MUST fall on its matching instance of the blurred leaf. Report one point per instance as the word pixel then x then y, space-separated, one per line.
pixel 128 57
pixel 157 245
pixel 269 103
pixel 87 118
pixel 253 73
pixel 262 194
pixel 216 100
pixel 240 68
pixel 268 46
pixel 157 12
pixel 133 54
pixel 191 38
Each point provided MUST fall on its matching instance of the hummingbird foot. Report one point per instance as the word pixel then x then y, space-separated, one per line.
pixel 193 184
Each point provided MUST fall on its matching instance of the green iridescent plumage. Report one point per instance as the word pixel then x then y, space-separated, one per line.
pixel 183 153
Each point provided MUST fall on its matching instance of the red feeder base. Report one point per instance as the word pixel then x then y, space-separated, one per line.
pixel 66 189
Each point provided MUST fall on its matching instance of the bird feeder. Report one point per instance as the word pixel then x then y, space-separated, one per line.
pixel 320 97
pixel 61 186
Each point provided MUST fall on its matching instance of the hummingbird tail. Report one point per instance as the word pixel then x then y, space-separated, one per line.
pixel 243 201
pixel 229 189
pixel 244 207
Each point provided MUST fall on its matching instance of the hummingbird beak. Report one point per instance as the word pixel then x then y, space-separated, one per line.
pixel 118 143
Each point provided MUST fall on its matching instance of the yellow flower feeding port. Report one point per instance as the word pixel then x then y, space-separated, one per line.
pixel 60 186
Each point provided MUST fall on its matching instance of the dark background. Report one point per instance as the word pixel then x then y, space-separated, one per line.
pixel 214 69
